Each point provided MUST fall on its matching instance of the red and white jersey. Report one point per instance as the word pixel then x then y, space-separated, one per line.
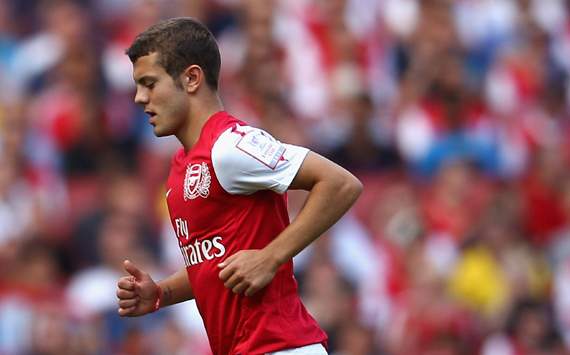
pixel 224 195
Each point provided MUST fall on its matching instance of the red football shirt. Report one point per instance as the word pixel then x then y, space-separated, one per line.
pixel 224 195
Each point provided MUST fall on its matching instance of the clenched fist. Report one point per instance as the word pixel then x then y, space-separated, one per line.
pixel 247 271
pixel 138 294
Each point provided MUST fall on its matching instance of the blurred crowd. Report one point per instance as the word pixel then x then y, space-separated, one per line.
pixel 454 113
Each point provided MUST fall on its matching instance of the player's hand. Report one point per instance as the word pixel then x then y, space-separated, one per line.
pixel 137 293
pixel 247 271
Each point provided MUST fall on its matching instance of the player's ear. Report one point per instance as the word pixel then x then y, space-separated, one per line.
pixel 192 78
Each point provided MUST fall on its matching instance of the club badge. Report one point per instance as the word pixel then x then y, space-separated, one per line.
pixel 197 181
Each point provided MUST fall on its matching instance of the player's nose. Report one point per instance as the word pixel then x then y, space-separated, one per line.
pixel 141 97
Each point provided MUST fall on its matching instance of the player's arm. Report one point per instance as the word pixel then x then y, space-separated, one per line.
pixel 332 191
pixel 175 289
pixel 138 294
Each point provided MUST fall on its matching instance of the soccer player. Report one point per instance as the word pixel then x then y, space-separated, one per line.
pixel 227 204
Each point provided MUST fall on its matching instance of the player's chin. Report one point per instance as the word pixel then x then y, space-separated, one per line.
pixel 160 131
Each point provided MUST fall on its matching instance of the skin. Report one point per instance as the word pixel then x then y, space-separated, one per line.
pixel 182 106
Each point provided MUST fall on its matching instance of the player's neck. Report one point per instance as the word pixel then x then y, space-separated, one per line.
pixel 197 118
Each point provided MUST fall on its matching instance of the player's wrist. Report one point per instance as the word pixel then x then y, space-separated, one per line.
pixel 158 301
pixel 273 258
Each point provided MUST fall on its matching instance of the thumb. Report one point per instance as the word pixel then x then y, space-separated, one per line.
pixel 132 269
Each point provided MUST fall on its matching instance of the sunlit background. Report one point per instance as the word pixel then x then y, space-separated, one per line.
pixel 455 115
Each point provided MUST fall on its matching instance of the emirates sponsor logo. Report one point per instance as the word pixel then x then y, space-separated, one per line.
pixel 197 181
pixel 200 250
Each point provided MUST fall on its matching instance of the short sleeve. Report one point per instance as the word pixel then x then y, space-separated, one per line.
pixel 247 159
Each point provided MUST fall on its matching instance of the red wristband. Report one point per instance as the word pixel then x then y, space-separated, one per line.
pixel 158 298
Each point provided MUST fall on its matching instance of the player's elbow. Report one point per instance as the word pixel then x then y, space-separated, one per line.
pixel 351 188
pixel 356 187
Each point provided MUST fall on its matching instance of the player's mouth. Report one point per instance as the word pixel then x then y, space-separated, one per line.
pixel 151 116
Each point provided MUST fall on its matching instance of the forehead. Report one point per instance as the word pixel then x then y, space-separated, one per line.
pixel 147 65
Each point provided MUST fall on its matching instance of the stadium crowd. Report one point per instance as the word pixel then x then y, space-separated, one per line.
pixel 454 114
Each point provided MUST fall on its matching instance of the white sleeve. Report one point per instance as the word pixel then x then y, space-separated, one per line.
pixel 247 159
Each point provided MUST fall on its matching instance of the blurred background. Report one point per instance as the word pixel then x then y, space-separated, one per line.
pixel 455 115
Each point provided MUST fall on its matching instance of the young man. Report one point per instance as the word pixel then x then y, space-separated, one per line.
pixel 225 195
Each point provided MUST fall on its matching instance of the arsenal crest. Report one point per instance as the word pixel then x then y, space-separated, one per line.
pixel 197 181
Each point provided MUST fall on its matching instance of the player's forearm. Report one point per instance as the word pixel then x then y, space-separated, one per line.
pixel 175 289
pixel 327 201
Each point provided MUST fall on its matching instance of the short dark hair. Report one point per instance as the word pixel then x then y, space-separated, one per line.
pixel 180 42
